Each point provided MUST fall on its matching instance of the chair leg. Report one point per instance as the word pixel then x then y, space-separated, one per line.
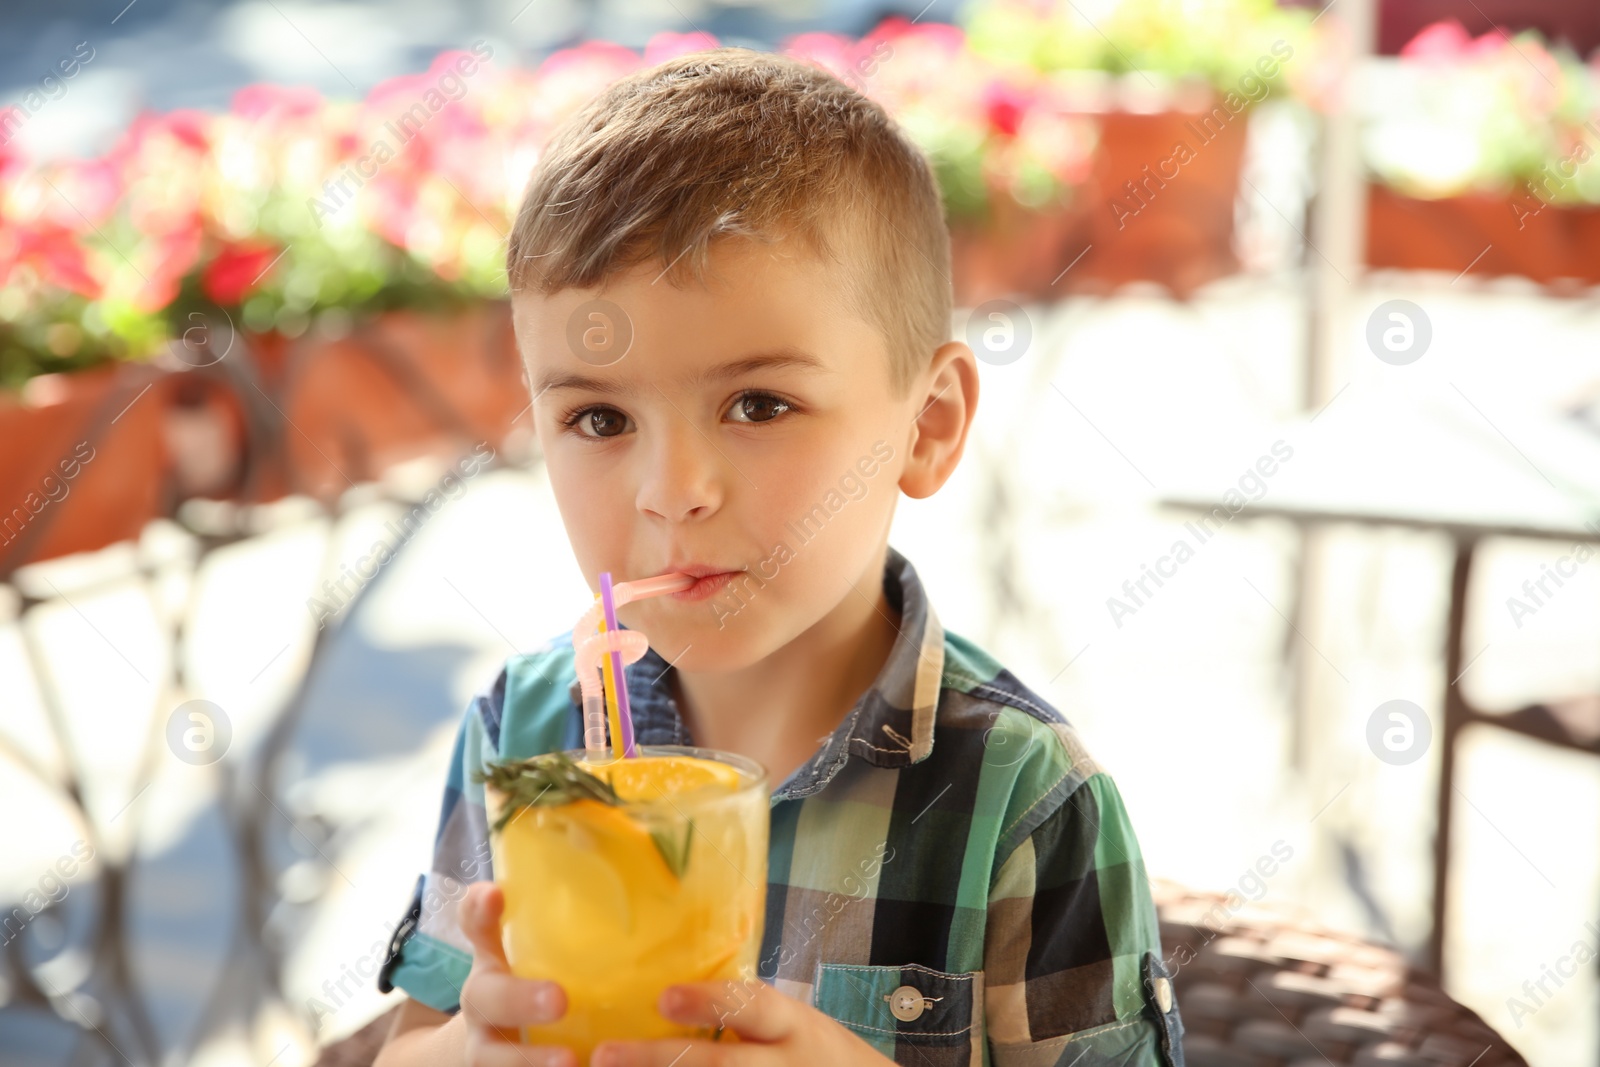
pixel 1455 717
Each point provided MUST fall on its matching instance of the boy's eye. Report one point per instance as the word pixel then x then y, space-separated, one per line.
pixel 757 407
pixel 598 422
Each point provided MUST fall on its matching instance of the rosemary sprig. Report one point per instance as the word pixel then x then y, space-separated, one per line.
pixel 553 778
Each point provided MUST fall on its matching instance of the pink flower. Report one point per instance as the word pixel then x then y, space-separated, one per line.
pixel 161 136
pixel 1441 42
pixel 829 50
pixel 390 208
pixel 400 92
pixel 93 186
pixel 261 101
pixel 55 255
pixel 946 38
pixel 188 127
pixel 665 46
pixel 445 63
pixel 175 254
pixel 614 60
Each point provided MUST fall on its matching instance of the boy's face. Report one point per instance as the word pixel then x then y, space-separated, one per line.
pixel 675 455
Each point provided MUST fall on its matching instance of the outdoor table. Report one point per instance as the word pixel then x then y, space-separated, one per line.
pixel 1441 464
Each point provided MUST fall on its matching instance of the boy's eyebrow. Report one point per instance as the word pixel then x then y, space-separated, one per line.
pixel 776 359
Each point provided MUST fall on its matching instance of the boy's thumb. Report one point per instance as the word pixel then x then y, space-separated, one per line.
pixel 480 921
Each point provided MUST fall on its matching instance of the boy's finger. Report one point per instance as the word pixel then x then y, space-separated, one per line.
pixel 479 916
pixel 503 1003
pixel 753 1010
pixel 492 997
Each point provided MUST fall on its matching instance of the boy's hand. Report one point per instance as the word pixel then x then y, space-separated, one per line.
pixel 494 1002
pixel 772 1030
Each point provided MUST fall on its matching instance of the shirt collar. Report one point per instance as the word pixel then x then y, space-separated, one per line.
pixel 891 725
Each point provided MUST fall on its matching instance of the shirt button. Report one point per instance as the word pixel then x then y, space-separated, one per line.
pixel 906 1003
pixel 1163 994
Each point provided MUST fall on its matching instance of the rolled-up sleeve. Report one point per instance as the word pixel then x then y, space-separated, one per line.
pixel 429 957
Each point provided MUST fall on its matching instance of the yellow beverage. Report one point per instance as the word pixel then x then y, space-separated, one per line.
pixel 660 881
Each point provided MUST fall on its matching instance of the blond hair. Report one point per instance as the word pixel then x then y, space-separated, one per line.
pixel 737 142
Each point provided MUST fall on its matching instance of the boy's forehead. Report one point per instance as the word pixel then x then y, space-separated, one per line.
pixel 759 307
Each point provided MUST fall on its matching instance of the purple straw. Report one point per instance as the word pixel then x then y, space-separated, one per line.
pixel 624 717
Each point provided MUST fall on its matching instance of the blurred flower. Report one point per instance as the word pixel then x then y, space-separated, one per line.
pixel 288 205
pixel 234 272
pixel 1442 42
pixel 1005 105
pixel 665 46
pixel 52 253
pixel 989 129
pixel 833 52
pixel 1214 40
pixel 1488 115
pixel 268 103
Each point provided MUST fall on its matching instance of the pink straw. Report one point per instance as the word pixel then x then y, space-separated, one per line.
pixel 624 716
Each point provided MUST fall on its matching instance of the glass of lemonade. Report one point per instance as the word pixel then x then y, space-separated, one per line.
pixel 622 877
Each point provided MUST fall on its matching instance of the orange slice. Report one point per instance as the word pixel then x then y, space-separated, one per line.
pixel 649 777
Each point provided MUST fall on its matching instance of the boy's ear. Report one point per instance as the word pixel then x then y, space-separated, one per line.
pixel 939 431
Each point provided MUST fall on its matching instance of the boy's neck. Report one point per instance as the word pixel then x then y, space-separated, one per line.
pixel 778 710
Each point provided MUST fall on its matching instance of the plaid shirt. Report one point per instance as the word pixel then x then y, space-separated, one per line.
pixel 980 901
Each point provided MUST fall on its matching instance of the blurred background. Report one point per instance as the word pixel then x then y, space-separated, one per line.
pixel 1285 483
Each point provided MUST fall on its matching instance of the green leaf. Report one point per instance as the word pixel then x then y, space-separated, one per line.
pixel 675 853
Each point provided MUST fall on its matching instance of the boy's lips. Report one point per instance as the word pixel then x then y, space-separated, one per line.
pixel 705 588
pixel 709 581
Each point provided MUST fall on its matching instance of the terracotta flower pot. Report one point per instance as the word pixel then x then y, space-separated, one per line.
pixel 1158 206
pixel 1018 254
pixel 86 463
pixel 469 359
pixel 1493 235
pixel 1161 200
pixel 403 385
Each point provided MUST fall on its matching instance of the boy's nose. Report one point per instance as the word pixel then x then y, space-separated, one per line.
pixel 683 478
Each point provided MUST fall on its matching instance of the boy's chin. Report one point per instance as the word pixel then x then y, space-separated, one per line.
pixel 697 644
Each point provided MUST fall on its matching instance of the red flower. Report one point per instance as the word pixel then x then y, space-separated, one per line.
pixel 1004 105
pixel 234 272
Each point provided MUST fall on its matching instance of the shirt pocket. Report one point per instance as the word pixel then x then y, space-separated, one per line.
pixel 910 1013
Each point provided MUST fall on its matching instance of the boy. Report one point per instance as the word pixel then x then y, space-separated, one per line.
pixel 730 285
